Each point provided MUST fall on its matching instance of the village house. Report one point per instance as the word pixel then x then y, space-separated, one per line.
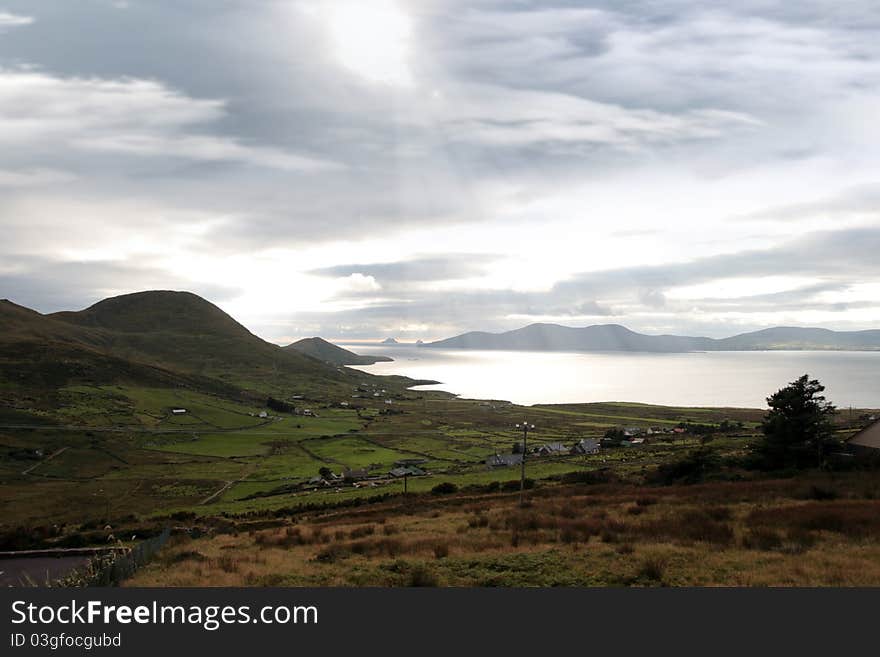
pixel 866 441
pixel 178 411
pixel 355 475
pixel 551 449
pixel 503 460
pixel 585 446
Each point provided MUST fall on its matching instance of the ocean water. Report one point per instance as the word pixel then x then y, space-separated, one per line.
pixel 734 378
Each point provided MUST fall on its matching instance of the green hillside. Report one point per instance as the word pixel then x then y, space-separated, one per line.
pixel 150 340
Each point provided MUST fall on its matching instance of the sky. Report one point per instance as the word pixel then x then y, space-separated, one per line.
pixel 361 169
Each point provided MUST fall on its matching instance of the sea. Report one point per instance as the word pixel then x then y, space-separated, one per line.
pixel 742 379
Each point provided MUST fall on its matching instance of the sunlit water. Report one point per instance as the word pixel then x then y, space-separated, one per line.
pixel 734 378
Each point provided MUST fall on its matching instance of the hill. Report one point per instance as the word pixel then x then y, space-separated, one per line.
pixel 154 339
pixel 330 353
pixel 613 337
pixel 181 331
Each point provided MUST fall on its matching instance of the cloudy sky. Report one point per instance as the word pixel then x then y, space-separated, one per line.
pixel 418 168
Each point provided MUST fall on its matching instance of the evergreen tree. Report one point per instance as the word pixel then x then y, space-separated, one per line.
pixel 798 427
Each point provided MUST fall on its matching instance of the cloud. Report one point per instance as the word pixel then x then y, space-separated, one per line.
pixel 863 200
pixel 137 117
pixel 33 282
pixel 631 150
pixel 38 177
pixel 8 20
pixel 419 269
pixel 837 259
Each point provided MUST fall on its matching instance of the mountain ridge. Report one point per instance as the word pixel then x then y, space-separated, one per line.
pixel 616 337
pixel 151 339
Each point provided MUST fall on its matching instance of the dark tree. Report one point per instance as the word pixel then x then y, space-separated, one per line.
pixel 798 427
pixel 325 472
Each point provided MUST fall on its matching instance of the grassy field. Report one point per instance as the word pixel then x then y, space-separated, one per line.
pixel 152 462
pixel 816 531
pixel 117 456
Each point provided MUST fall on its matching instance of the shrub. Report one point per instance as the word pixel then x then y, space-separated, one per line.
pixel 762 538
pixel 421 575
pixel 603 476
pixel 821 494
pixel 514 485
pixel 653 568
pixel 445 488
pixel 360 532
pixel 332 554
pixel 689 470
pixel 226 564
pixel 478 521
pixel 441 551
pixel 186 555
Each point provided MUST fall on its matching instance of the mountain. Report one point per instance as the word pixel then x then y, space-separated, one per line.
pixel 150 339
pixel 552 337
pixel 330 353
pixel 613 337
pixel 794 338
pixel 390 341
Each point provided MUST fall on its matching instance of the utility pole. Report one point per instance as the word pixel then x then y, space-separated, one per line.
pixel 526 427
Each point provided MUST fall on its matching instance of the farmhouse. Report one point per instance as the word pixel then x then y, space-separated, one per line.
pixel 355 475
pixel 178 411
pixel 503 460
pixel 867 440
pixel 552 449
pixel 585 446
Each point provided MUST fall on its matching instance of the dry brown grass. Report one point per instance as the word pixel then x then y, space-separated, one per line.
pixel 749 533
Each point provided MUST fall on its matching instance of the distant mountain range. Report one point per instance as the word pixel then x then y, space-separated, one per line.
pixel 613 337
pixel 330 353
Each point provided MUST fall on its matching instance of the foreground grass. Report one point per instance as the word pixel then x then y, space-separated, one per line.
pixel 812 531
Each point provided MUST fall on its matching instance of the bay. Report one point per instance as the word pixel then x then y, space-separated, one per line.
pixel 731 378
